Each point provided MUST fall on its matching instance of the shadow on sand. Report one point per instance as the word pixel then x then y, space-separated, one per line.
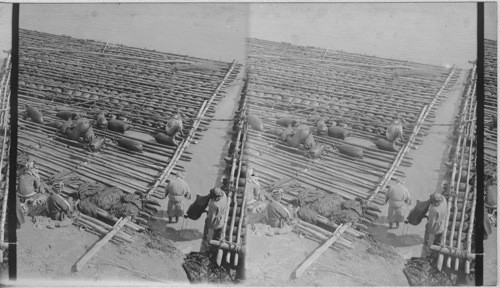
pixel 160 226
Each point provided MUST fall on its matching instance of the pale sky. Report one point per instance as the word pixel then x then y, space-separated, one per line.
pixel 5 28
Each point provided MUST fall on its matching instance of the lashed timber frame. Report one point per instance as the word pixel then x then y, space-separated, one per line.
pixel 144 87
pixel 4 141
pixel 364 92
pixel 456 249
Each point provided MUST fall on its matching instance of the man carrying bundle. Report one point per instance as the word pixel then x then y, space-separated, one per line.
pixel 395 131
pixel 174 125
pixel 215 217
pixel 397 196
pixel 59 208
pixel 177 191
pixel 435 223
pixel 277 214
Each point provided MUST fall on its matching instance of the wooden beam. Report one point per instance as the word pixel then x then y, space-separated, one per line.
pixel 98 245
pixel 302 268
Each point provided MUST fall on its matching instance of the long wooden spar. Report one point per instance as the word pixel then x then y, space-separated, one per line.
pixel 4 122
pixel 403 151
pixel 168 169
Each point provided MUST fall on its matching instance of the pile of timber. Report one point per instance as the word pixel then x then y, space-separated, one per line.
pixel 490 107
pixel 4 157
pixel 141 87
pixel 457 244
pixel 360 93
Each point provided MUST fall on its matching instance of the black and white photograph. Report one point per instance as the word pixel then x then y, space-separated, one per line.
pixel 363 116
pixel 251 144
pixel 5 76
pixel 124 112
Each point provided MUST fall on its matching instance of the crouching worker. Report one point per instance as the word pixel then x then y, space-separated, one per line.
pixel 174 125
pixel 277 214
pixel 395 131
pixel 215 217
pixel 59 208
pixel 29 181
pixel 435 223
pixel 177 191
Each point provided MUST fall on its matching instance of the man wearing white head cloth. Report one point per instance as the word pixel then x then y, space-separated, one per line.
pixel 215 217
pixel 397 196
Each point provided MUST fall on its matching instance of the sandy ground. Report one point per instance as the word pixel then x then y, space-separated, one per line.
pixel 48 254
pixel 272 259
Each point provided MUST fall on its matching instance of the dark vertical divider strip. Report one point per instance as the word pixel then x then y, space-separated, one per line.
pixel 479 223
pixel 12 218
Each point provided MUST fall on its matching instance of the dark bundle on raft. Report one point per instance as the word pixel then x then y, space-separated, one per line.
pixel 384 144
pixel 35 115
pixel 331 206
pixel 166 140
pixel 118 126
pixel 200 269
pixel 420 272
pixel 111 199
pixel 66 115
pixel 54 124
pixel 338 132
pixel 130 144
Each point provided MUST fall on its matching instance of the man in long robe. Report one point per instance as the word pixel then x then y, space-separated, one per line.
pixel 178 191
pixel 397 196
pixel 215 217
pixel 435 223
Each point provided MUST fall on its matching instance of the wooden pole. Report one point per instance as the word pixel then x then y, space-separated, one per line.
pixel 309 261
pixel 466 196
pixel 456 188
pixel 440 259
pixel 107 55
pixel 454 252
pixel 4 214
pixel 166 172
pixel 79 265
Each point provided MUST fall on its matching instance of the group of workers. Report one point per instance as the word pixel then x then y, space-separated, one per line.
pixel 31 190
pixel 178 192
pixel 397 196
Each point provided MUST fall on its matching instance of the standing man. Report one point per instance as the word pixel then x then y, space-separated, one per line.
pixel 435 223
pixel 177 191
pixel 215 217
pixel 397 196
pixel 253 186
